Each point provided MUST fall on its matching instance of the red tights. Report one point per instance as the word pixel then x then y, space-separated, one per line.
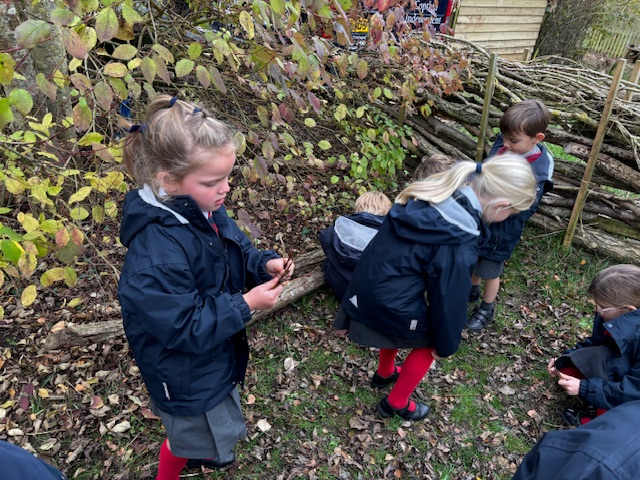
pixel 170 466
pixel 413 370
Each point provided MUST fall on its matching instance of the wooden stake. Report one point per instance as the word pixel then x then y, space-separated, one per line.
pixel 488 95
pixel 595 150
pixel 633 78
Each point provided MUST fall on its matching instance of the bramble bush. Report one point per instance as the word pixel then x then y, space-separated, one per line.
pixel 280 71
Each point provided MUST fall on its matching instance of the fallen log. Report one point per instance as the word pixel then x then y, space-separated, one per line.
pixel 608 165
pixel 594 208
pixel 99 332
pixel 621 250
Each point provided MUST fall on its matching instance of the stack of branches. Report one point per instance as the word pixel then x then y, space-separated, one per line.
pixel 575 97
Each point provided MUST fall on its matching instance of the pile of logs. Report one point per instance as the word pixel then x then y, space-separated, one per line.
pixel 575 97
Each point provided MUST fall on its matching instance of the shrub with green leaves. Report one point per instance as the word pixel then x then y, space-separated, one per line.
pixel 280 71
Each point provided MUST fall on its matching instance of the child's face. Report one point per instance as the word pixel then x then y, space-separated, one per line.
pixel 521 143
pixel 497 214
pixel 608 312
pixel 208 185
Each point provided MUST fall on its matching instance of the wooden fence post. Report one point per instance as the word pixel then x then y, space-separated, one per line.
pixel 526 54
pixel 633 78
pixel 488 95
pixel 593 155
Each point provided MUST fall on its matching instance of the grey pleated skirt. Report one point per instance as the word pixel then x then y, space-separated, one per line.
pixel 212 434
pixel 591 361
pixel 369 337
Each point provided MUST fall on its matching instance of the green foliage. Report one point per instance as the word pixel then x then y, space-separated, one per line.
pixel 382 148
pixel 274 69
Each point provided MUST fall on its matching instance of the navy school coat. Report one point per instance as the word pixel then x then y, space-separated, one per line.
pixel 505 235
pixel 181 291
pixel 343 244
pixel 420 248
pixel 623 370
pixel 19 464
pixel 606 448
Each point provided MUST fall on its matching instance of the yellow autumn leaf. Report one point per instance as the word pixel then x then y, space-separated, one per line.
pixel 75 302
pixel 28 295
pixel 80 195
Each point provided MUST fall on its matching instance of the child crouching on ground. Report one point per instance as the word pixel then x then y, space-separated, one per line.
pixel 345 240
pixel 604 369
pixel 522 130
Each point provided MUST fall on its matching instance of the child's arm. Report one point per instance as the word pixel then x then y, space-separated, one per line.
pixel 281 267
pixel 264 296
pixel 256 260
pixel 608 393
pixel 570 384
pixel 161 297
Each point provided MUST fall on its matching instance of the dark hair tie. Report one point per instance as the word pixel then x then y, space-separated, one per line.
pixel 138 128
pixel 197 110
pixel 172 101
pixel 478 167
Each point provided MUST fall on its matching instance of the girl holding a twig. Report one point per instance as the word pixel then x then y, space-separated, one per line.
pixel 189 282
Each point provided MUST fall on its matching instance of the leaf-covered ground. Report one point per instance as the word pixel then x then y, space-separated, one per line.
pixel 309 410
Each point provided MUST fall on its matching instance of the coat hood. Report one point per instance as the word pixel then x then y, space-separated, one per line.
pixel 136 214
pixel 416 223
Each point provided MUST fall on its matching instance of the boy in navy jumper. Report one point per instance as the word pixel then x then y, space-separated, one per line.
pixel 344 241
pixel 522 130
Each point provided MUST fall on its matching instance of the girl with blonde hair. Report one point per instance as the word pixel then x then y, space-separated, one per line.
pixel 428 244
pixel 190 281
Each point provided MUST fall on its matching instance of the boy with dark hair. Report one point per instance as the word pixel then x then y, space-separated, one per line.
pixel 344 241
pixel 522 130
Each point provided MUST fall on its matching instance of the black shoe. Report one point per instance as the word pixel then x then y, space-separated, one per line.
pixel 380 382
pixel 210 463
pixel 479 319
pixel 386 410
pixel 573 417
pixel 474 296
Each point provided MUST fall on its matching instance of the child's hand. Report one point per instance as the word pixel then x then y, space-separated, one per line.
pixel 281 268
pixel 551 367
pixel 263 296
pixel 570 384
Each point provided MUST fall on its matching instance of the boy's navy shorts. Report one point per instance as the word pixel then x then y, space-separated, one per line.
pixel 488 268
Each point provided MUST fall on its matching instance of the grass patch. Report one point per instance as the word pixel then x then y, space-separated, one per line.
pixel 311 413
pixel 558 152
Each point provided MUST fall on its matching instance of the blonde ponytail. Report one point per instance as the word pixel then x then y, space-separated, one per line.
pixel 506 177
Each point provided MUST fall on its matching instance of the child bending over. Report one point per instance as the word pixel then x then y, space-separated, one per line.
pixel 344 241
pixel 410 287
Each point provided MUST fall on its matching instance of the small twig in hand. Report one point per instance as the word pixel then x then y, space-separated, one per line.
pixel 287 265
